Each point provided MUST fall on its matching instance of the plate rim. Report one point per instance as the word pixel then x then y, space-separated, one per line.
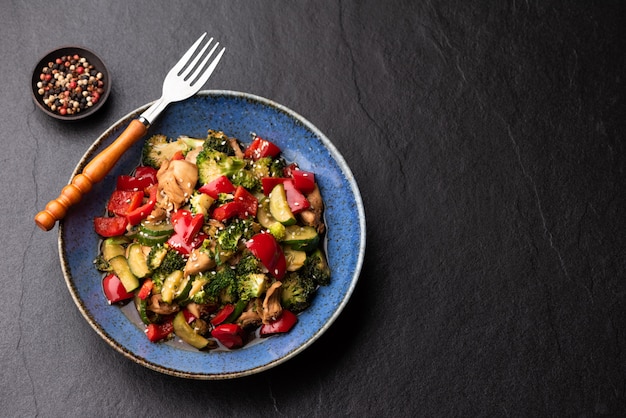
pixel 347 172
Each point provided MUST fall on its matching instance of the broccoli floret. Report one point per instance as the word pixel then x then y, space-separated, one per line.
pixel 229 237
pixel 268 167
pixel 218 141
pixel 247 179
pixel 316 268
pixel 102 265
pixel 172 260
pixel 297 292
pixel 247 265
pixel 222 284
pixel 278 230
pixel 213 164
pixel 156 255
pixel 200 203
pixel 252 286
pixel 158 148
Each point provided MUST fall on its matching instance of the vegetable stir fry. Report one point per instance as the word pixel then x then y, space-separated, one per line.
pixel 213 241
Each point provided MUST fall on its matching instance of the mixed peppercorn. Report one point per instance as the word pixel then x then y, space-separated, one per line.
pixel 70 84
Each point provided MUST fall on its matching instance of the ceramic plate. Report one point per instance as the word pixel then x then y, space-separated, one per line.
pixel 237 114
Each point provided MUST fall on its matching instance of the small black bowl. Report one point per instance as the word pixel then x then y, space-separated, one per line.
pixel 93 60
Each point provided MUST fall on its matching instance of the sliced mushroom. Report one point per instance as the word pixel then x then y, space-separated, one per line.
pixel 250 316
pixel 158 306
pixel 177 180
pixel 198 262
pixel 271 304
pixel 313 215
pixel 234 144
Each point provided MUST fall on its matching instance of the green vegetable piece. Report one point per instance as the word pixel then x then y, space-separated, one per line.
pixel 297 292
pixel 294 258
pixel 213 164
pixel 304 238
pixel 137 261
pixel 184 331
pixel 172 285
pixel 122 270
pixel 112 248
pixel 156 256
pixel 158 148
pixel 252 286
pixel 279 208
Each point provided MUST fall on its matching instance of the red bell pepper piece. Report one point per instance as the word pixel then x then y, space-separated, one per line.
pixel 223 314
pixel 189 317
pixel 158 332
pixel 219 185
pixel 243 206
pixel 247 199
pixel 145 289
pixel 265 247
pixel 187 225
pixel 144 177
pixel 304 181
pixel 284 323
pixel 296 200
pixel 146 172
pixel 178 155
pixel 268 183
pixel 231 335
pixel 260 148
pixel 227 210
pixel 114 290
pixel 140 213
pixel 110 226
pixel 178 243
pixel 122 202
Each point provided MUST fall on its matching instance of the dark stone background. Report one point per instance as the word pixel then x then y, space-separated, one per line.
pixel 487 139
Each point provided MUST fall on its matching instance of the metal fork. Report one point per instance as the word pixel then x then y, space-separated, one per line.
pixel 184 80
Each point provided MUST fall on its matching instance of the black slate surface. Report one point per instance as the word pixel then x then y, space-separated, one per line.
pixel 488 143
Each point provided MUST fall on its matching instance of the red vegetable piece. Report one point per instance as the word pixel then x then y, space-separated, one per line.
pixel 265 247
pixel 146 289
pixel 144 177
pixel 219 185
pixel 178 243
pixel 249 202
pixel 231 335
pixel 178 155
pixel 189 317
pixel 122 202
pixel 260 148
pixel 110 226
pixel 158 332
pixel 114 289
pixel 227 211
pixel 146 172
pixel 296 200
pixel 283 324
pixel 187 225
pixel 137 215
pixel 223 314
pixel 268 183
pixel 287 170
pixel 304 181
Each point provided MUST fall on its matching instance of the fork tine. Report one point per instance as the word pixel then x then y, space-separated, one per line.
pixel 190 52
pixel 193 64
pixel 203 76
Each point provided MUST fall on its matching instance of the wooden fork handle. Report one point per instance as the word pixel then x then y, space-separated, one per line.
pixel 93 173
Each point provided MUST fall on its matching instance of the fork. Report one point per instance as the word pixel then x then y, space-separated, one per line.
pixel 184 80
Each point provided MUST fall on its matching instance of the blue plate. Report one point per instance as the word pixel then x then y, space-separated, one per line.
pixel 237 114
